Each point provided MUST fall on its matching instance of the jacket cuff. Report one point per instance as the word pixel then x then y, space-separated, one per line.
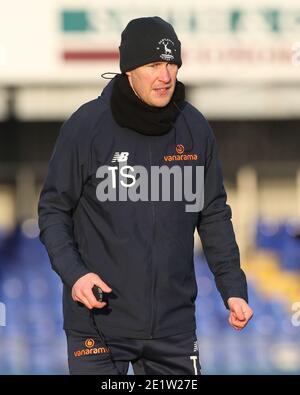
pixel 69 267
pixel 234 294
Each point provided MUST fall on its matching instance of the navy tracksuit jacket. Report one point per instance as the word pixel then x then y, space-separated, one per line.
pixel 142 249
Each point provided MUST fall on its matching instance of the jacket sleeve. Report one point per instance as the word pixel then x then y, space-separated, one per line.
pixel 216 231
pixel 58 199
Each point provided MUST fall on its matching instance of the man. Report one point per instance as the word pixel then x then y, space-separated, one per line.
pixel 105 222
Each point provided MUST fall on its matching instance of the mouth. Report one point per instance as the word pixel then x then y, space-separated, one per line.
pixel 162 91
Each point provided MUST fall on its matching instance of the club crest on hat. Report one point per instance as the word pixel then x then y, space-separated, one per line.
pixel 167 46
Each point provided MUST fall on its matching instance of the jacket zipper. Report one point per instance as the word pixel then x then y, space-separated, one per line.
pixel 153 304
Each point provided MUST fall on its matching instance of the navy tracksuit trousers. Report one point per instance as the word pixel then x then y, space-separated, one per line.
pixel 90 353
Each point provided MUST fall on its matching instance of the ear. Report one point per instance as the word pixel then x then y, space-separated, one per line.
pixel 128 73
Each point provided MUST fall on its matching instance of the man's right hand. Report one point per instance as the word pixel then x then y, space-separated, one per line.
pixel 82 290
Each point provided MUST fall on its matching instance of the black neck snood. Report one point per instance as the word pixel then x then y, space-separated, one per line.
pixel 131 112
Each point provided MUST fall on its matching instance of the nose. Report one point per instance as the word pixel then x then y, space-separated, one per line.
pixel 164 74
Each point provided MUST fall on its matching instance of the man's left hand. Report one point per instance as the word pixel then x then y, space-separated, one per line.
pixel 240 313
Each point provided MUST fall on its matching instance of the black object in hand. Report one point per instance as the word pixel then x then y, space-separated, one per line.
pixel 99 294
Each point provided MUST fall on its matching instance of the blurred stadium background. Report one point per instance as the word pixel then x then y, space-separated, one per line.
pixel 241 66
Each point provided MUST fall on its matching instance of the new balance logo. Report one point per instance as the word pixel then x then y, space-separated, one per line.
pixel 120 157
pixel 195 346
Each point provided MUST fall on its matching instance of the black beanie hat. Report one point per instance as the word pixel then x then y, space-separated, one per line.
pixel 146 40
